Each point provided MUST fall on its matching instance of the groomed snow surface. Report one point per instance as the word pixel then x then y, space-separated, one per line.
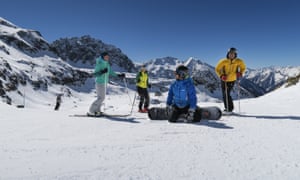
pixel 263 142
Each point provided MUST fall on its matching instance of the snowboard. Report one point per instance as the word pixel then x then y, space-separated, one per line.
pixel 208 113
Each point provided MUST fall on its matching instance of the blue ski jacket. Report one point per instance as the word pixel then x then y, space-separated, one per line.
pixel 182 93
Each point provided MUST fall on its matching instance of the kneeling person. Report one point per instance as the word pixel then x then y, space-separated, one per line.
pixel 182 97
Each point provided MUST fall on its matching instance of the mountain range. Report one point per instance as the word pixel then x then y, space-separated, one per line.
pixel 29 63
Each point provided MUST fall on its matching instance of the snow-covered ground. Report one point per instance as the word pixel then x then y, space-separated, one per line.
pixel 262 143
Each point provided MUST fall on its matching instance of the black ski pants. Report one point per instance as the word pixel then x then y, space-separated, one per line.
pixel 227 99
pixel 144 97
pixel 176 112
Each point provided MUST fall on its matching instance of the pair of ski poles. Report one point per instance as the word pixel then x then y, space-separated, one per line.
pixel 125 84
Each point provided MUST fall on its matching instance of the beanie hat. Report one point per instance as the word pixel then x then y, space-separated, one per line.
pixel 232 50
pixel 104 54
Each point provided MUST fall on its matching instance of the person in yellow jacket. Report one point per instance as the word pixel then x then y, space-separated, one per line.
pixel 229 70
pixel 142 84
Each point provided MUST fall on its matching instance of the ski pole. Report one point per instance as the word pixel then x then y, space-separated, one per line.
pixel 239 88
pixel 226 96
pixel 239 98
pixel 125 83
pixel 105 90
pixel 133 103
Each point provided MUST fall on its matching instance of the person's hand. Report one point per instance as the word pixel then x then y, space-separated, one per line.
pixel 223 77
pixel 149 85
pixel 122 75
pixel 169 109
pixel 190 116
pixel 239 75
pixel 103 71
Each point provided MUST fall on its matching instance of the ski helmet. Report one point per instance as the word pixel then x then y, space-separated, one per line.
pixel 182 71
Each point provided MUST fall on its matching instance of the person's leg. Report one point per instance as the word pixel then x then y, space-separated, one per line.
pixel 230 102
pixel 174 115
pixel 225 94
pixel 96 105
pixel 147 99
pixel 142 98
pixel 56 106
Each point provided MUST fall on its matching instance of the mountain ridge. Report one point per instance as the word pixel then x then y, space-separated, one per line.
pixel 27 59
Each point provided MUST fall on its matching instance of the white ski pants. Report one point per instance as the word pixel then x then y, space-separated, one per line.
pixel 101 92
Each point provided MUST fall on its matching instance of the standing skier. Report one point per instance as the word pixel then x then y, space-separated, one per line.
pixel 58 102
pixel 102 72
pixel 229 70
pixel 182 97
pixel 142 85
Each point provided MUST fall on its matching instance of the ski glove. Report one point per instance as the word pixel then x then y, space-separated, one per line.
pixel 223 77
pixel 239 75
pixel 122 75
pixel 103 71
pixel 190 116
pixel 169 110
pixel 149 85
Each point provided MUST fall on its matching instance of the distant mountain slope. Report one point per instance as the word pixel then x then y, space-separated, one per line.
pixel 83 51
pixel 27 61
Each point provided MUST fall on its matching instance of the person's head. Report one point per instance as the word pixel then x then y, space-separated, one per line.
pixel 143 68
pixel 181 72
pixel 105 56
pixel 232 53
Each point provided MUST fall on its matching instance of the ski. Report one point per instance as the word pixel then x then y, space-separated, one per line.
pixel 229 113
pixel 99 116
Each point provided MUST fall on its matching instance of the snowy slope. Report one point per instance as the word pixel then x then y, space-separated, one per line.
pixel 262 143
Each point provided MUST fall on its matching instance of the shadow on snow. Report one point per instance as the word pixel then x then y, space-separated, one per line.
pixel 214 124
pixel 269 116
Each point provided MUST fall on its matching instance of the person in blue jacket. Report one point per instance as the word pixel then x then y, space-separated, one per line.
pixel 182 97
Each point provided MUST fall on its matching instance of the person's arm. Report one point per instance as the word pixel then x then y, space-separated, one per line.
pixel 242 66
pixel 192 96
pixel 219 69
pixel 111 72
pixel 170 96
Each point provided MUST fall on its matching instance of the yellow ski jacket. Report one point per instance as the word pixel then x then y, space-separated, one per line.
pixel 230 68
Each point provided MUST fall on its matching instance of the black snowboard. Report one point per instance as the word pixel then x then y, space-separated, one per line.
pixel 208 113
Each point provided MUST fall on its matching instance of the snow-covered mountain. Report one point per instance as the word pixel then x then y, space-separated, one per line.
pixel 30 63
pixel 82 52
pixel 270 78
pixel 256 82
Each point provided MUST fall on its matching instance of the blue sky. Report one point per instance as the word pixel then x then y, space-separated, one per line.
pixel 265 32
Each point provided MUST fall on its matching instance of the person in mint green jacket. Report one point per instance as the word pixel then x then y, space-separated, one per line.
pixel 102 72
